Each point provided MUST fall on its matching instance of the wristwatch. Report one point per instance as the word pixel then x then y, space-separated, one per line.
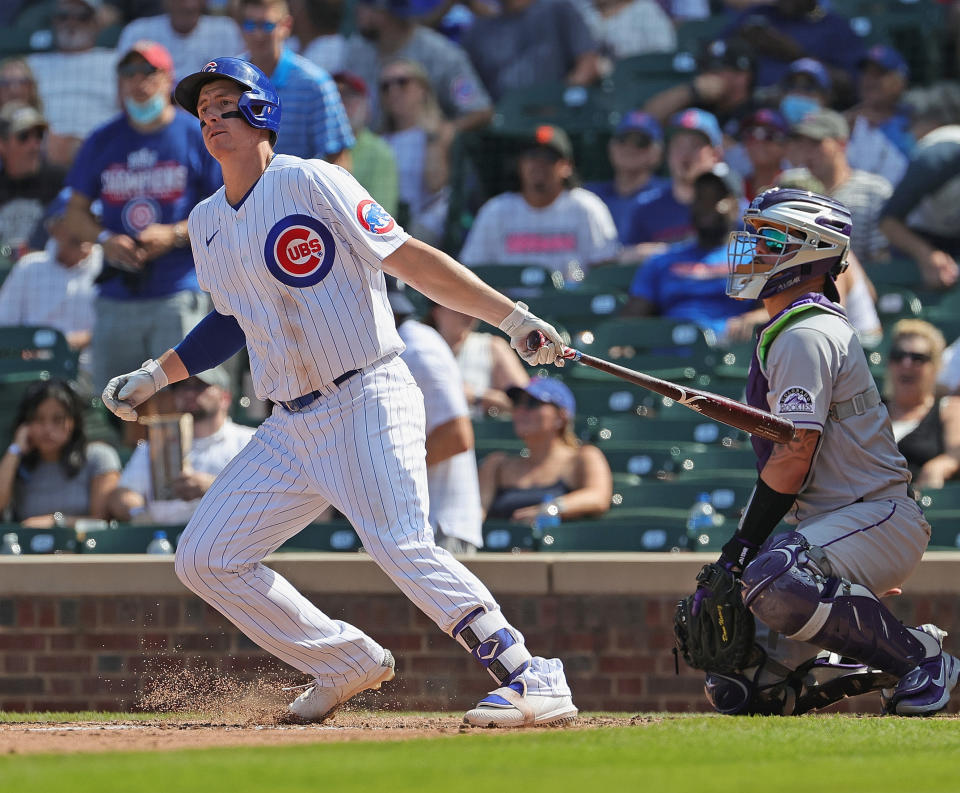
pixel 180 237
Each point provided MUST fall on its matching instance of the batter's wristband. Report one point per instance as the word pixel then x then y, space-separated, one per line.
pixel 515 318
pixel 764 511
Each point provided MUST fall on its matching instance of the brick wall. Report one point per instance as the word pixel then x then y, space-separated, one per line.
pixel 85 649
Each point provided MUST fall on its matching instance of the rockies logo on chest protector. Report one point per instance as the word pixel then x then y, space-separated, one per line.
pixel 299 251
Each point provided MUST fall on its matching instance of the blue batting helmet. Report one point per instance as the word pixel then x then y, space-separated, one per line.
pixel 259 105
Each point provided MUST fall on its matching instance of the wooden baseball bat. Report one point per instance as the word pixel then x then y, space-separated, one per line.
pixel 720 408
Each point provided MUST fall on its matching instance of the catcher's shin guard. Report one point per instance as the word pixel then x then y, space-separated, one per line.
pixel 490 639
pixel 790 587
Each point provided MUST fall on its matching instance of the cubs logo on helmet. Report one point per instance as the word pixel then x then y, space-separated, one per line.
pixel 374 218
pixel 299 251
pixel 210 67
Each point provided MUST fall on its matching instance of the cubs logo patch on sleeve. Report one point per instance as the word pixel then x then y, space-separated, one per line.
pixel 795 400
pixel 374 218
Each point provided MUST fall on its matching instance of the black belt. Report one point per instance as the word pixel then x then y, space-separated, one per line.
pixel 301 402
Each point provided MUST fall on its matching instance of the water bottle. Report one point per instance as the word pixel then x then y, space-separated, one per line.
pixel 11 545
pixel 160 544
pixel 700 521
pixel 548 518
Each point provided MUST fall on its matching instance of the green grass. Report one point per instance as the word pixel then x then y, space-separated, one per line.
pixel 677 755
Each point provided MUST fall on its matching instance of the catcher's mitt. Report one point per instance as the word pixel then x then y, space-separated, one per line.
pixel 714 630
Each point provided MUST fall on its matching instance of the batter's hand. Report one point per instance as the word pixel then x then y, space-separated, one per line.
pixel 519 324
pixel 126 392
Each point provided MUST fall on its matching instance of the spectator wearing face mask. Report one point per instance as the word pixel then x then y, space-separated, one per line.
pixel 807 87
pixel 148 167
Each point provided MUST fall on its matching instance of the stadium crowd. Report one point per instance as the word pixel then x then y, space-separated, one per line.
pixel 588 156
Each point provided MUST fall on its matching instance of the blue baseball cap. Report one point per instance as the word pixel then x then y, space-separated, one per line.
pixel 638 121
pixel 767 118
pixel 886 57
pixel 697 120
pixel 549 390
pixel 813 69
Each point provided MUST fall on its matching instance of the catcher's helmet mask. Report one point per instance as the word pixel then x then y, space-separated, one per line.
pixel 258 105
pixel 789 236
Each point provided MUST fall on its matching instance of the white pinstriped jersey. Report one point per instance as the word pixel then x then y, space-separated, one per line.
pixel 297 263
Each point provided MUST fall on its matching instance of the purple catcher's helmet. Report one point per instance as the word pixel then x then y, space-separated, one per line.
pixel 258 105
pixel 790 235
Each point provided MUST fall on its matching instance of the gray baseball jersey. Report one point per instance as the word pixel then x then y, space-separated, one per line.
pixel 813 363
pixel 310 296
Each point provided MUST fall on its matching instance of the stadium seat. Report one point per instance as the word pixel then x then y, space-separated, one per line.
pixel 42 541
pixel 520 281
pixel 501 536
pixel 332 536
pixel 649 531
pixel 125 538
pixel 28 354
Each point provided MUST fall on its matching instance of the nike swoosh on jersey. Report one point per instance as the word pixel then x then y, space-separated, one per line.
pixel 210 238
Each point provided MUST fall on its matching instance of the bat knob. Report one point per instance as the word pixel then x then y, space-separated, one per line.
pixel 535 340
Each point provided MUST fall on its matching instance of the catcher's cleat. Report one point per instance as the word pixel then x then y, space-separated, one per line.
pixel 829 678
pixel 318 702
pixel 926 689
pixel 512 706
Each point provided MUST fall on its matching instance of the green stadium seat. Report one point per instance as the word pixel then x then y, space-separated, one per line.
pixel 332 536
pixel 506 537
pixel 896 302
pixel 632 428
pixel 607 278
pixel 894 273
pixel 648 531
pixel 28 354
pixel 125 538
pixel 693 34
pixel 42 541
pixel 520 280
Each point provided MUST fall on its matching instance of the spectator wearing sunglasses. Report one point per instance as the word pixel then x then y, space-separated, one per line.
pixel 763 135
pixel 27 181
pixel 558 474
pixel 315 124
pixel 190 36
pixel 148 167
pixel 17 84
pixel 420 137
pixel 76 81
pixel 635 151
pixel 925 426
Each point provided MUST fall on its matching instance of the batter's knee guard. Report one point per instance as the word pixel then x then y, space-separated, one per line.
pixel 490 639
pixel 790 586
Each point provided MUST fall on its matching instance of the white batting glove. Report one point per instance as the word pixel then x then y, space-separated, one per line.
pixel 519 324
pixel 126 392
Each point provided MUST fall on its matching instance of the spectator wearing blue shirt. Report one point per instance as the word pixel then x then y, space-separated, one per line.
pixel 148 168
pixel 315 124
pixel 688 281
pixel 785 30
pixel 635 152
pixel 662 216
pixel 880 139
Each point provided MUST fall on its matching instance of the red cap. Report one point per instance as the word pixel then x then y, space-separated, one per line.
pixel 153 53
pixel 353 81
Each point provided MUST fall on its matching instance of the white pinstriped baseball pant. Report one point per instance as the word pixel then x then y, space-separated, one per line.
pixel 361 449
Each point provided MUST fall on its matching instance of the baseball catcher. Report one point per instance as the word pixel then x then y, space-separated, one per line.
pixel 821 631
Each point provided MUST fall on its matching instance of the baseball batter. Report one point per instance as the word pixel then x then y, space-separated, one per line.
pixel 293 253
pixel 841 481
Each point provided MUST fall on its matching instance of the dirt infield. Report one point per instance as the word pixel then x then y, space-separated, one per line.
pixel 166 734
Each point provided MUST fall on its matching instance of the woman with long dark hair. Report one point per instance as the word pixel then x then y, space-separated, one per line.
pixel 50 475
